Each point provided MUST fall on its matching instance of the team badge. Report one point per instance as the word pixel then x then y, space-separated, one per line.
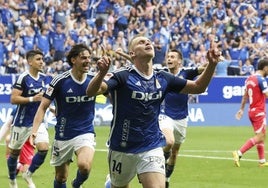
pixel 49 91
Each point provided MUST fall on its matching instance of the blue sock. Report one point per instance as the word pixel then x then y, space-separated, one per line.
pixel 169 170
pixel 12 166
pixel 80 178
pixel 37 160
pixel 59 184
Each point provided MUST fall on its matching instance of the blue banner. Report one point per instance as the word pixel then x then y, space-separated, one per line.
pixel 220 90
pixel 211 114
pixel 207 114
pixel 224 90
pixel 6 82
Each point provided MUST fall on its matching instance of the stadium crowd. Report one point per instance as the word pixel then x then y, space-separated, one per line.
pixel 239 27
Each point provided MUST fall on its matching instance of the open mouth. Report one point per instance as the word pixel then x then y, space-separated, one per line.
pixel 86 66
pixel 148 48
pixel 169 63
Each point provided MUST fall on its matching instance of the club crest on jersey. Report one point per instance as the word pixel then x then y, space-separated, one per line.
pixel 49 90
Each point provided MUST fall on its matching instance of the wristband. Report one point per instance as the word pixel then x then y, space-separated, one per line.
pixel 30 99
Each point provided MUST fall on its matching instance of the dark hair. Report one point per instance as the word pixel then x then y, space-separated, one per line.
pixel 32 53
pixel 178 52
pixel 262 63
pixel 75 51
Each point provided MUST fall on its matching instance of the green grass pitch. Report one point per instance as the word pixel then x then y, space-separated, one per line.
pixel 205 161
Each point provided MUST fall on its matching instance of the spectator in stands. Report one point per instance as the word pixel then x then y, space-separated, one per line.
pixel 60 15
pixel 83 37
pixel 197 19
pixel 102 8
pixel 221 68
pixel 160 52
pixel 42 41
pixel 7 17
pixel 233 54
pixel 10 43
pixel 185 46
pixel 11 64
pixel 50 22
pixel 265 24
pixel 96 50
pixel 58 38
pixel 201 53
pixel 244 48
pixel 120 41
pixel 247 69
pixel 122 13
pixel 28 39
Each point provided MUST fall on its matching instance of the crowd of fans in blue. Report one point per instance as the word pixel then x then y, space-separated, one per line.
pixel 239 27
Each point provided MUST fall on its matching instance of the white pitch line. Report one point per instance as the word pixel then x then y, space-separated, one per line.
pixel 195 156
pixel 213 157
pixel 202 156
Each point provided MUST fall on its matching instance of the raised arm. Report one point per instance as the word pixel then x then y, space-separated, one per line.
pixel 96 85
pixel 200 85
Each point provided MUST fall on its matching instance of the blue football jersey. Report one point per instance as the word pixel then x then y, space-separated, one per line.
pixel 13 113
pixel 29 86
pixel 136 105
pixel 175 105
pixel 74 109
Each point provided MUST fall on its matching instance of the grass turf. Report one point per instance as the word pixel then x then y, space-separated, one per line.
pixel 205 161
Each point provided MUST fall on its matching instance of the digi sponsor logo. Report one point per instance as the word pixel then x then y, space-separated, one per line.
pixel 74 99
pixel 34 91
pixel 146 96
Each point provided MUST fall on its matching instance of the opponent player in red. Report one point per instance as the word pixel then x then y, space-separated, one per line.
pixel 26 156
pixel 256 92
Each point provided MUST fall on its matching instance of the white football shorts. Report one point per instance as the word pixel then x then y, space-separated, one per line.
pixel 124 166
pixel 178 126
pixel 63 150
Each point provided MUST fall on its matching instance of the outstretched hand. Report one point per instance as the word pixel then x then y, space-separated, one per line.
pixel 214 55
pixel 120 52
pixel 104 62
